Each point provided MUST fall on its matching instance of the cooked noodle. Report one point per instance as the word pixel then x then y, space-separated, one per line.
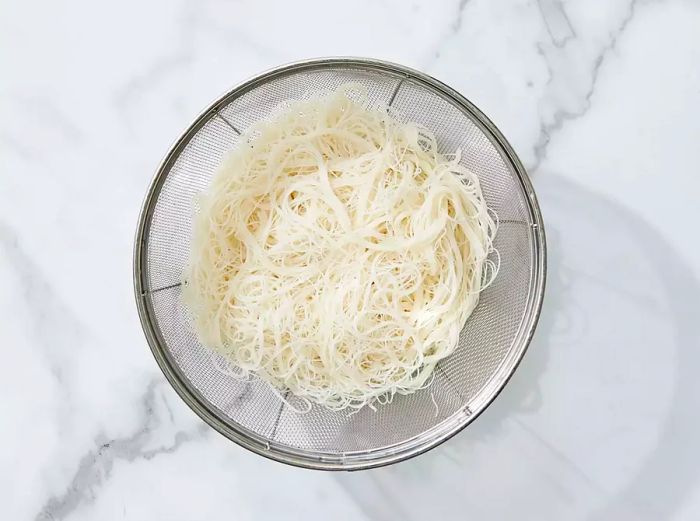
pixel 337 255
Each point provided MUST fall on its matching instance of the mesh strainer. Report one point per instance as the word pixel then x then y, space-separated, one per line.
pixel 490 345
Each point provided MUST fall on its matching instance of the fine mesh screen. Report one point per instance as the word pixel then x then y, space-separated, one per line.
pixel 489 342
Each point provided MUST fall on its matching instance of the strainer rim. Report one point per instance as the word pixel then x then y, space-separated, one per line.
pixel 407 448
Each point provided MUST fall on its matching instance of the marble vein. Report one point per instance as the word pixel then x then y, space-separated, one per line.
pixel 549 126
pixel 43 109
pixel 20 149
pixel 163 67
pixel 83 101
pixel 557 21
pixel 50 316
pixel 452 30
pixel 97 465
pixel 457 23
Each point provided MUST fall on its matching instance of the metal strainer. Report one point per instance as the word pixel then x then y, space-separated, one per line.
pixel 490 345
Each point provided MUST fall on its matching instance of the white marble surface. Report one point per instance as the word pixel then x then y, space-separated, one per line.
pixel 601 99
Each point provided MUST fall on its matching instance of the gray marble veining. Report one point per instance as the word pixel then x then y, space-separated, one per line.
pixel 600 99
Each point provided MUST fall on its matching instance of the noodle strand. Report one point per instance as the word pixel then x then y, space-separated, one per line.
pixel 337 255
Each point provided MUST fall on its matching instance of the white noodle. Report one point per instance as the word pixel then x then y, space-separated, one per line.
pixel 337 255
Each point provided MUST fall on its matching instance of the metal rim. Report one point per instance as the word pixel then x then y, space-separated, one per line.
pixel 408 448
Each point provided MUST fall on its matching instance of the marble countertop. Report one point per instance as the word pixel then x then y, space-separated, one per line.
pixel 600 99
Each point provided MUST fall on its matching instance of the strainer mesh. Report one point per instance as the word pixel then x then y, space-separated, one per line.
pixel 486 342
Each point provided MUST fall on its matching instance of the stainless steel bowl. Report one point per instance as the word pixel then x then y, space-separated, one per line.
pixel 491 344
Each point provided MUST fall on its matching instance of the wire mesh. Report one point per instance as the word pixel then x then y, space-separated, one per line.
pixel 490 344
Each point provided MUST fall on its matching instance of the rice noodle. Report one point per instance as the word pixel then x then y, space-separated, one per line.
pixel 337 254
